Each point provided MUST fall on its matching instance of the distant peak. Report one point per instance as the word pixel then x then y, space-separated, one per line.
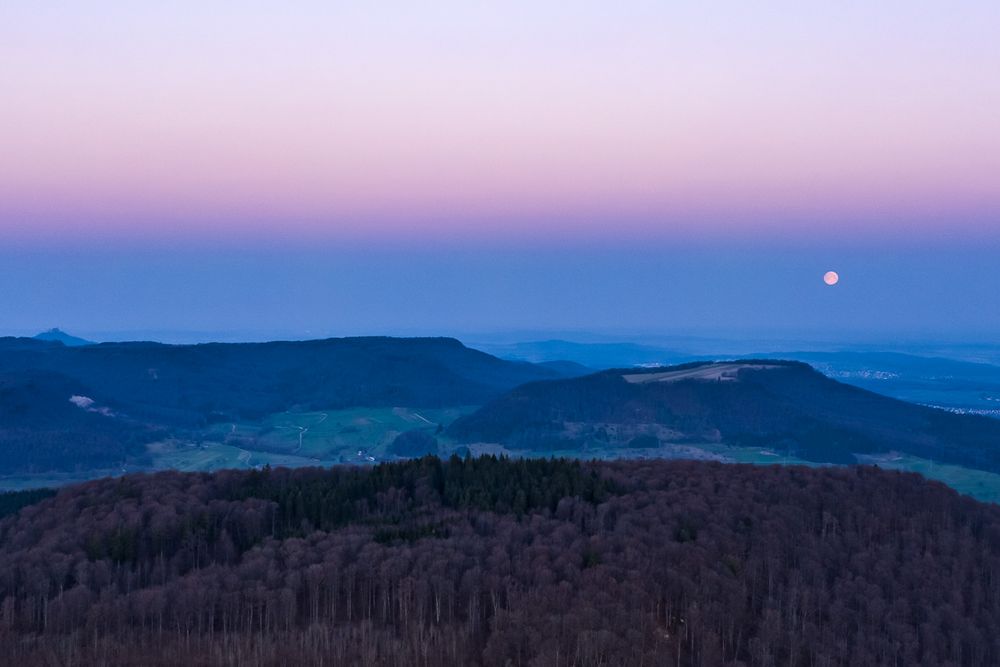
pixel 57 335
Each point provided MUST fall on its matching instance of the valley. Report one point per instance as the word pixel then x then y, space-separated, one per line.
pixel 187 415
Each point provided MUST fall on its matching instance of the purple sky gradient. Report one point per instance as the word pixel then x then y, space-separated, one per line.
pixel 328 121
pixel 448 167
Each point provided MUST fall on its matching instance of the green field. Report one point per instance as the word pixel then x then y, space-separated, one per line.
pixel 347 436
pixel 979 484
pixel 293 439
pixel 208 456
pixel 363 435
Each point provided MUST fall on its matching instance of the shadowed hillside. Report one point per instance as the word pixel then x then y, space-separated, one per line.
pixel 42 428
pixel 128 392
pixel 779 404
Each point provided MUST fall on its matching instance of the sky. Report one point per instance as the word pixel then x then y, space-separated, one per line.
pixel 321 168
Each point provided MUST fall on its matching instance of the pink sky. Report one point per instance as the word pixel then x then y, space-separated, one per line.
pixel 520 119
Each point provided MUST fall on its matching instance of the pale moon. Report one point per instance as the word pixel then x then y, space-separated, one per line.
pixel 831 278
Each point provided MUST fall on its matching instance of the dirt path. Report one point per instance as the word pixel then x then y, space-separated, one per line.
pixel 305 429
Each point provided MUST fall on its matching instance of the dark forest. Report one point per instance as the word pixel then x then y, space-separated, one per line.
pixel 503 562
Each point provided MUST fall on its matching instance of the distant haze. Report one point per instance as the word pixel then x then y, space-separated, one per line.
pixel 728 291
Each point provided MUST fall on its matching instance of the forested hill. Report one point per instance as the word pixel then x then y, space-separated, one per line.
pixel 94 406
pixel 190 381
pixel 787 406
pixel 504 562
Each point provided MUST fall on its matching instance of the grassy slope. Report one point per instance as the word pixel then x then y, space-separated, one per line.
pixel 336 436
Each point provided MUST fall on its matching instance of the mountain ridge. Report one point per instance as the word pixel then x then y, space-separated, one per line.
pixel 145 387
pixel 786 405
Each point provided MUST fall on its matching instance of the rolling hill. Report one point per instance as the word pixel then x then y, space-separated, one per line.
pixel 781 405
pixel 924 376
pixel 47 423
pixel 128 393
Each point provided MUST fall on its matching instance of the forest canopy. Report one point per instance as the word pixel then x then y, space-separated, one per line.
pixel 504 562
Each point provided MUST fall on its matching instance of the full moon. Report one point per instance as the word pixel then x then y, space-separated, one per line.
pixel 831 278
